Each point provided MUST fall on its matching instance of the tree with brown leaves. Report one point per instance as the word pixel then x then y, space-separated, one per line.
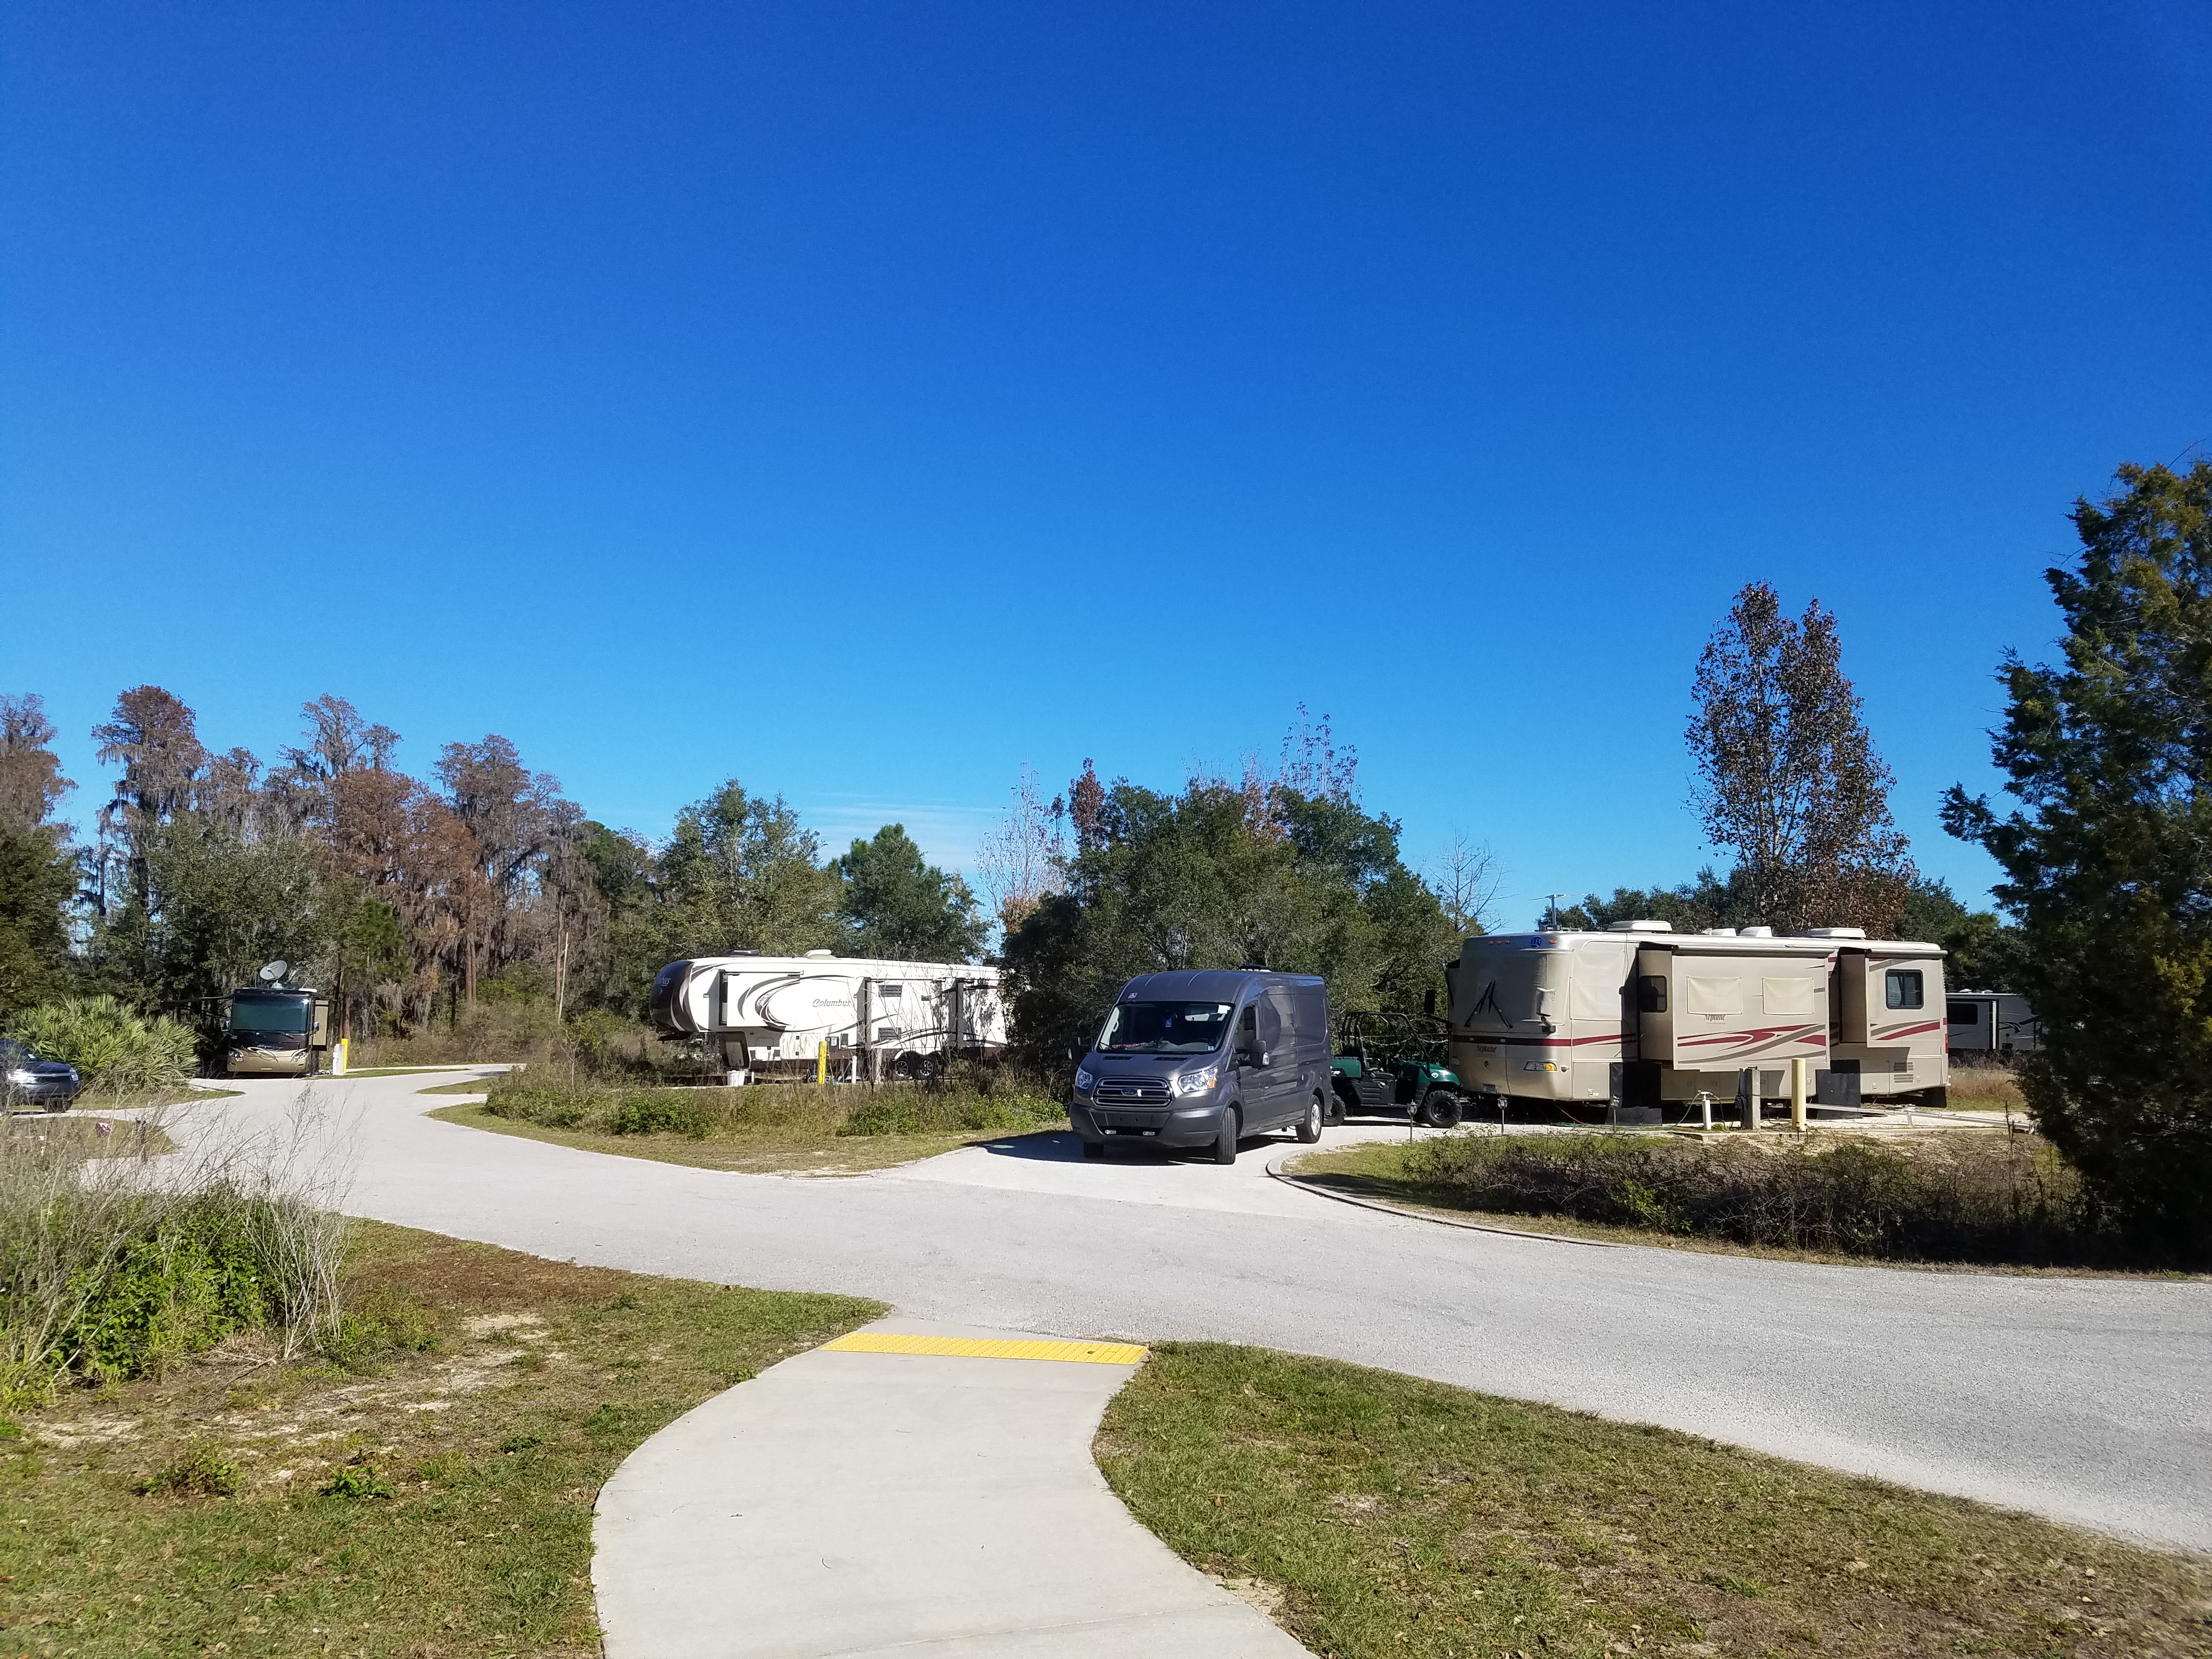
pixel 1787 774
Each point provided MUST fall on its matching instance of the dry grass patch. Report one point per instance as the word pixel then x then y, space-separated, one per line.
pixel 430 1495
pixel 1938 1198
pixel 1379 1515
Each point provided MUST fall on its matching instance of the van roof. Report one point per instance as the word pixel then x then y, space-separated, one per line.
pixel 1206 984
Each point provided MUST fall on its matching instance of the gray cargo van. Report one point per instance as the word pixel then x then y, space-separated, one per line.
pixel 1202 1058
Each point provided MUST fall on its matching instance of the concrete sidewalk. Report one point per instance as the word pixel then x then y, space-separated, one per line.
pixel 858 1503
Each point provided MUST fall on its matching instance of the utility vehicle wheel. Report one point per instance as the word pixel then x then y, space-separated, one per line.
pixel 1440 1109
pixel 1309 1125
pixel 1224 1144
pixel 1094 1149
pixel 1338 1106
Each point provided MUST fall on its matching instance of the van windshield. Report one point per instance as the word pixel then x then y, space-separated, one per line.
pixel 1165 1028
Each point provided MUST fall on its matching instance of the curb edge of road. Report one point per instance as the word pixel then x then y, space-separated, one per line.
pixel 1275 1169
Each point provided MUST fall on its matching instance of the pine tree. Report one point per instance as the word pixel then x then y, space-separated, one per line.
pixel 2108 857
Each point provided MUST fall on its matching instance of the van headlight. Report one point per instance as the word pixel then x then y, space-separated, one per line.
pixel 1197 1082
pixel 1084 1081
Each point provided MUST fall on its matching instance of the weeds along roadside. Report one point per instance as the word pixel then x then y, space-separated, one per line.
pixel 113 1266
pixel 1944 1197
pixel 558 1098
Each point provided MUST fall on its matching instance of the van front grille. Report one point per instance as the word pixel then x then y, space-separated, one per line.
pixel 1130 1092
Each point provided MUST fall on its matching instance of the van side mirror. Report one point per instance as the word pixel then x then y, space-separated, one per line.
pixel 1253 1056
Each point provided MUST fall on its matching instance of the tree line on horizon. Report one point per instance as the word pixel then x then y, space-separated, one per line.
pixel 411 900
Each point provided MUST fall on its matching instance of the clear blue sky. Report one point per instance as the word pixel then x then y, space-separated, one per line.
pixel 864 399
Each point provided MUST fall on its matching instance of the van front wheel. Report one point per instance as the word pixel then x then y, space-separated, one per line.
pixel 1224 1144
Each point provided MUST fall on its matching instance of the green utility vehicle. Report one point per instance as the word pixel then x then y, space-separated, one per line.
pixel 1396 1063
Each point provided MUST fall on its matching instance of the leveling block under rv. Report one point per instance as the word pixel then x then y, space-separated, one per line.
pixel 867 1018
pixel 1644 1017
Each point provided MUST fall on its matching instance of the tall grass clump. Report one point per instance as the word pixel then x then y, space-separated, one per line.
pixel 117 1051
pixel 110 1267
pixel 1945 1198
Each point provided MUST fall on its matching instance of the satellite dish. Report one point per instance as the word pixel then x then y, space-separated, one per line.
pixel 275 971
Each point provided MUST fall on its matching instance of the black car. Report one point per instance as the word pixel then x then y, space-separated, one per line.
pixel 27 1081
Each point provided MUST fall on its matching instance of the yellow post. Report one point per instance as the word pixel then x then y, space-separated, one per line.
pixel 1798 1094
pixel 822 1062
pixel 338 1059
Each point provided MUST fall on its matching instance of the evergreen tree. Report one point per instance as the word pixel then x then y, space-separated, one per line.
pixel 898 907
pixel 2108 856
pixel 38 869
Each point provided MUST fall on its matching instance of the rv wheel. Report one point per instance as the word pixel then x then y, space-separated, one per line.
pixel 1440 1109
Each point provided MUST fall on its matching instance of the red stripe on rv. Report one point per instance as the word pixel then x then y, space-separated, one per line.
pixel 1755 1036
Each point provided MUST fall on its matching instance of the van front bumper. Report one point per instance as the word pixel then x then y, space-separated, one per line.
pixel 1178 1126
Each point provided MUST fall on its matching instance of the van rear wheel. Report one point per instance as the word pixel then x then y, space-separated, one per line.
pixel 1309 1125
pixel 1224 1144
pixel 1440 1109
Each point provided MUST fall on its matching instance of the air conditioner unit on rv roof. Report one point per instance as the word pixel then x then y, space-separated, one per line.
pixel 1640 927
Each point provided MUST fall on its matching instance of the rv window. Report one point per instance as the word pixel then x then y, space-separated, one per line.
pixel 1651 993
pixel 891 993
pixel 1964 1013
pixel 1903 988
pixel 1713 993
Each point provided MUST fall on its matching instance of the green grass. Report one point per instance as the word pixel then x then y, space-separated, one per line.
pixel 768 1129
pixel 835 1156
pixel 243 1506
pixel 1377 1515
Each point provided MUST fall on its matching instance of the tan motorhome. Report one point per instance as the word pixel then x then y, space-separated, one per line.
pixel 1638 1016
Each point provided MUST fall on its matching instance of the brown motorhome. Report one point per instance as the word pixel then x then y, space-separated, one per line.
pixel 1642 1016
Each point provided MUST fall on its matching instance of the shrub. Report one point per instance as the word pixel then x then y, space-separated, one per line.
pixel 660 1114
pixel 1967 1198
pixel 115 1051
pixel 204 1470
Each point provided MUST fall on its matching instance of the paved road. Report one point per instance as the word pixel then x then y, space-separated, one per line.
pixel 2087 1400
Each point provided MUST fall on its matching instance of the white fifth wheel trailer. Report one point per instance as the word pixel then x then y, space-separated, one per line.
pixel 877 1018
pixel 1640 1017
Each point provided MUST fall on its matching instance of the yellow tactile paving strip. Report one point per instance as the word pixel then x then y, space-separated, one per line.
pixel 979 1347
